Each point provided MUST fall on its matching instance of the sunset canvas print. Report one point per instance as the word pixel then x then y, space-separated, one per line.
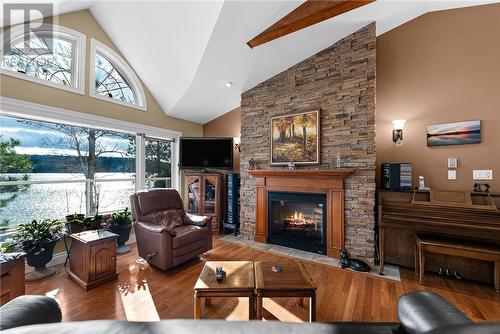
pixel 294 138
pixel 458 133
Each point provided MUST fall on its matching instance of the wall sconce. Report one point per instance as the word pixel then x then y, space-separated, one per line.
pixel 237 143
pixel 397 133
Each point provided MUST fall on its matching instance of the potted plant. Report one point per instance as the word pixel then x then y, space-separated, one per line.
pixel 94 222
pixel 120 223
pixel 75 223
pixel 38 239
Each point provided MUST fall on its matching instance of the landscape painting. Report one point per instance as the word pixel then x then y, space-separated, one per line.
pixel 295 139
pixel 458 133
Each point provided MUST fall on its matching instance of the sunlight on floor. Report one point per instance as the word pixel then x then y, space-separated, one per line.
pixel 240 312
pixel 281 313
pixel 136 297
pixel 53 293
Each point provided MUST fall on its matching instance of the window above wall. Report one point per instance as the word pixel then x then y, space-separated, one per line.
pixel 50 55
pixel 112 79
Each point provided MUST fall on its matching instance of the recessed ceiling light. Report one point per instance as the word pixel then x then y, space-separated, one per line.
pixel 228 84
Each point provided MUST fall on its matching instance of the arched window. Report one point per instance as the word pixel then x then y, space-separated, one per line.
pixel 49 54
pixel 112 79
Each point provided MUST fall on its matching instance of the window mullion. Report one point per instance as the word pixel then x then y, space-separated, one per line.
pixel 140 162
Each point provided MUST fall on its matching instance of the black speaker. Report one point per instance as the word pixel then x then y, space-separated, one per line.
pixel 397 176
pixel 232 221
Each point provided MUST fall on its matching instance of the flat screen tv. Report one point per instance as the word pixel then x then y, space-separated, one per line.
pixel 206 153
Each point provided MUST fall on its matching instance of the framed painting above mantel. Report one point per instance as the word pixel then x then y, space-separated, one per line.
pixel 295 139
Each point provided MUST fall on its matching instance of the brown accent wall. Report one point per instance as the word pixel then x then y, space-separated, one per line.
pixel 441 67
pixel 84 22
pixel 340 82
pixel 227 125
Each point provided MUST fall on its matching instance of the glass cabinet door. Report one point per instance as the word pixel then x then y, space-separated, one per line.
pixel 193 190
pixel 210 194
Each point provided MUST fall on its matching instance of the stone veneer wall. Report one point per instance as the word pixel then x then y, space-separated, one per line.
pixel 340 82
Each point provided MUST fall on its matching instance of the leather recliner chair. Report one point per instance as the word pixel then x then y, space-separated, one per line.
pixel 166 235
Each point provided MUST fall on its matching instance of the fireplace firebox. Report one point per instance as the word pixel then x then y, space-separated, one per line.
pixel 297 220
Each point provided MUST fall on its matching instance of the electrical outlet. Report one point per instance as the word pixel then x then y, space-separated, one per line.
pixel 482 174
pixel 452 174
pixel 452 163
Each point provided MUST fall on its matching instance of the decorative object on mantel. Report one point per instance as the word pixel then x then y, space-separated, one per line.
pixel 457 133
pixel 295 138
pixel 482 188
pixel 337 160
pixel 344 259
pixel 251 164
pixel 397 133
pixel 291 166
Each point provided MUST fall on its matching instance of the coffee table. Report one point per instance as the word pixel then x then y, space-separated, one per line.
pixel 239 281
pixel 292 281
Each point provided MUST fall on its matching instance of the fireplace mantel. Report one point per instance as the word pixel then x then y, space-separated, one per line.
pixel 325 181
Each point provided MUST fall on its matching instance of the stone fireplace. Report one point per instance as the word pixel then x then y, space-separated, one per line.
pixel 297 220
pixel 339 81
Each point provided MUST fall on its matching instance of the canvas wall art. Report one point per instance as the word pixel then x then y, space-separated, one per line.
pixel 295 138
pixel 457 133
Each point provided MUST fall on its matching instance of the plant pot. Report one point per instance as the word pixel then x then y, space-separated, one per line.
pixel 96 224
pixel 74 226
pixel 123 232
pixel 39 261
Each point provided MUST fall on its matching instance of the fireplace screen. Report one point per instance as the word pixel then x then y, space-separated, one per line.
pixel 297 220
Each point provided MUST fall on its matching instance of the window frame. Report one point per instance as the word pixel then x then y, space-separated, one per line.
pixel 79 41
pixel 123 68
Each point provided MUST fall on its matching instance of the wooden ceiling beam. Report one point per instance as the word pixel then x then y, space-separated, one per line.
pixel 307 14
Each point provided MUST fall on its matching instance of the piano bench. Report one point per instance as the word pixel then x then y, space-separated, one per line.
pixel 455 247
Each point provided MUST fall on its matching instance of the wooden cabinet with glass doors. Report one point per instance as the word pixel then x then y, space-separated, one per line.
pixel 202 196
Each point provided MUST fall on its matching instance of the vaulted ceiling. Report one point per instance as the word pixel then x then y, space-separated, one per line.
pixel 184 51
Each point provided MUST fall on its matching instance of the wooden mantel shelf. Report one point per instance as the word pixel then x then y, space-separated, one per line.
pixel 302 173
pixel 323 181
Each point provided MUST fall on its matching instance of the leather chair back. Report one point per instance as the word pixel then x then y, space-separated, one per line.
pixel 151 205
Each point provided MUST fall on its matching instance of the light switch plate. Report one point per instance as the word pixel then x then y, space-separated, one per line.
pixel 452 163
pixel 482 174
pixel 452 174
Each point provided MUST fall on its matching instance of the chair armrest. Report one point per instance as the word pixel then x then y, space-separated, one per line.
pixel 190 219
pixel 424 311
pixel 29 310
pixel 157 228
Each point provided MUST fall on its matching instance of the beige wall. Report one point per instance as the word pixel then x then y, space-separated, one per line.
pixel 441 67
pixel 227 125
pixel 84 22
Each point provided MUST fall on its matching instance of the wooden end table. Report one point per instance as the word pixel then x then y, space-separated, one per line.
pixel 239 281
pixel 292 281
pixel 92 259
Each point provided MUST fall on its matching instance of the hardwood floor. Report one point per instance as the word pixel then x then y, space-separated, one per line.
pixel 146 293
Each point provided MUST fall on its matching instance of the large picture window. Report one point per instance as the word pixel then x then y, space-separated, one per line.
pixel 49 170
pixel 50 55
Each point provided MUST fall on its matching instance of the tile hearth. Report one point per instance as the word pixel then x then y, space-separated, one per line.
pixel 390 272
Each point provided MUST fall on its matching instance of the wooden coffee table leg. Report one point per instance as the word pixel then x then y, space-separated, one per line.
pixel 197 307
pixel 312 309
pixel 208 301
pixel 251 308
pixel 258 308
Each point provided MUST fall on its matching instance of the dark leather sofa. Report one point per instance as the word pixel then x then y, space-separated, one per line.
pixel 166 235
pixel 418 312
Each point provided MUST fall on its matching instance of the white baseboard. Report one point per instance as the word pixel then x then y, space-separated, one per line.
pixel 59 258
